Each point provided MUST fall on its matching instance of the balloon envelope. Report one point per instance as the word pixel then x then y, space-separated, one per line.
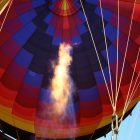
pixel 29 42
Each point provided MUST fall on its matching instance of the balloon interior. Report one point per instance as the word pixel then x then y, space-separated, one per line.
pixel 69 69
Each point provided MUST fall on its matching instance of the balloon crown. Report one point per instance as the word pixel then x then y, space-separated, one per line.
pixel 64 7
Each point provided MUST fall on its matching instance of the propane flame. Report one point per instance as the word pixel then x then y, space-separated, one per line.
pixel 61 84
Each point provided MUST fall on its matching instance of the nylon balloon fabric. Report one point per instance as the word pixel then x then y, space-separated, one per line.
pixel 29 43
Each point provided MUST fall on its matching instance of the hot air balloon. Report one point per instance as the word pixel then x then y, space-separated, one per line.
pixel 105 40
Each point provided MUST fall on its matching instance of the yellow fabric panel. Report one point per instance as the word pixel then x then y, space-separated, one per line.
pixel 5 115
pixel 24 124
pixel 3 5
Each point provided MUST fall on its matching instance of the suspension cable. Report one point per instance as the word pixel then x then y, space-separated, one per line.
pixel 111 100
pixel 133 89
pixel 120 121
pixel 131 94
pixel 128 94
pixel 117 63
pixel 127 44
pixel 126 50
pixel 108 61
pixel 131 97
pixel 115 127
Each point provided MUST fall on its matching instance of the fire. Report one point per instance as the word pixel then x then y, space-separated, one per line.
pixel 61 84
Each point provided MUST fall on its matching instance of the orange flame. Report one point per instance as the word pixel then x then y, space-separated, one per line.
pixel 61 84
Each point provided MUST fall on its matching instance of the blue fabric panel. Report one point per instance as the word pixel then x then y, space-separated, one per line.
pixel 57 40
pixel 33 78
pixel 37 3
pixel 106 13
pixel 45 95
pixel 90 94
pixel 23 58
pixel 92 1
pixel 76 39
pixel 70 108
pixel 24 34
pixel 99 77
pixel 111 32
pixel 25 18
pixel 81 15
pixel 50 30
pixel 112 52
pixel 77 106
pixel 82 29
pixel 48 18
